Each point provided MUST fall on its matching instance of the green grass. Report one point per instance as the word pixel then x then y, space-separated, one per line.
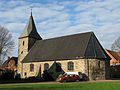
pixel 64 86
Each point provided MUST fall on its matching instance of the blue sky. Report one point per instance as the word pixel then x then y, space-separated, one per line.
pixel 56 18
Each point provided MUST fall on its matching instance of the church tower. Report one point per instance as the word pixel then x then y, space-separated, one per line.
pixel 26 41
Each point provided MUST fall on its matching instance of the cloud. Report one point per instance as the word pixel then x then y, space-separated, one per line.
pixel 64 17
pixel 15 27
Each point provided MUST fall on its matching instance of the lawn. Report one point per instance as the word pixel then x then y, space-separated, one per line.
pixel 64 86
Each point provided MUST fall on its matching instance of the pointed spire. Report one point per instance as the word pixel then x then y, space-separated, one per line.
pixel 30 29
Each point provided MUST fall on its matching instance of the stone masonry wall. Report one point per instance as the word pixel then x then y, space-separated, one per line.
pixel 95 69
pixel 78 67
pixel 22 52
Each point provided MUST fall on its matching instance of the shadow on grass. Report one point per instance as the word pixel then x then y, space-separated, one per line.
pixel 28 80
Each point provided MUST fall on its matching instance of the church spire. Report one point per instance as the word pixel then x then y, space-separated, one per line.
pixel 30 29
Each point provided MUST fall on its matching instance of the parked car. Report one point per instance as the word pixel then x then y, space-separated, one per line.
pixel 70 76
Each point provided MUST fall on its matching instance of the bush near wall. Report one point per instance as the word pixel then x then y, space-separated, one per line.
pixel 6 75
pixel 47 76
pixel 115 71
pixel 0 74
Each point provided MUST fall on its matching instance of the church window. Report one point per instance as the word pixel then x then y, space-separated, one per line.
pixel 31 67
pixel 58 67
pixel 99 64
pixel 46 66
pixel 25 74
pixel 70 66
pixel 22 52
pixel 23 43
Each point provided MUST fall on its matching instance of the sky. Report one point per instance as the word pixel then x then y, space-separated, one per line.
pixel 55 18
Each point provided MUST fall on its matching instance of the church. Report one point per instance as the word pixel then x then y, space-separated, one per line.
pixel 80 52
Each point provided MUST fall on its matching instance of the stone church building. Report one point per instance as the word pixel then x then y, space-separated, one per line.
pixel 73 53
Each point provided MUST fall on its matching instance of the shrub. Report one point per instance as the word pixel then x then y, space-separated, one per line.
pixel 7 74
pixel 47 76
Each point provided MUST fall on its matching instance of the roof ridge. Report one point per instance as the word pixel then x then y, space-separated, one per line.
pixel 65 36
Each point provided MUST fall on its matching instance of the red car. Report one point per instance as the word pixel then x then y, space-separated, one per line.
pixel 69 78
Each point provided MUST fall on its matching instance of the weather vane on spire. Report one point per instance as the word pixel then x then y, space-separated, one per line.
pixel 31 9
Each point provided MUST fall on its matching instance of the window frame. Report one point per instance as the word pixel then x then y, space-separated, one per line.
pixel 99 64
pixel 21 52
pixel 70 66
pixel 23 43
pixel 46 66
pixel 31 67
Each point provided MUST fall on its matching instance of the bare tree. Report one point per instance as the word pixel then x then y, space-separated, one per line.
pixel 6 43
pixel 116 45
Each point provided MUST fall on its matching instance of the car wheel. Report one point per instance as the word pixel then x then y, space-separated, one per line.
pixel 77 80
pixel 65 81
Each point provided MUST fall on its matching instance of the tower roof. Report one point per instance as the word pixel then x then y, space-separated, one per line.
pixel 30 29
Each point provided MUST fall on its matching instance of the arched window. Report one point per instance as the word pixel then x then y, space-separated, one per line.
pixel 23 43
pixel 58 67
pixel 99 64
pixel 70 66
pixel 22 52
pixel 31 67
pixel 46 66
pixel 25 74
